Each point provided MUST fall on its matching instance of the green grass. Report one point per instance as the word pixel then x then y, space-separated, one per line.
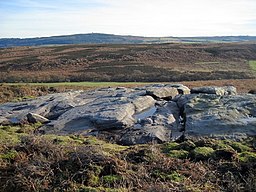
pixel 253 65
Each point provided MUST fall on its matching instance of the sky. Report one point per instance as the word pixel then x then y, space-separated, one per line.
pixel 41 18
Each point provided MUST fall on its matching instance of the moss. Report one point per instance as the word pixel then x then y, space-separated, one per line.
pixel 105 146
pixel 187 145
pixel 9 155
pixel 111 179
pixel 239 147
pixel 202 153
pixel 206 143
pixel 28 128
pixel 174 176
pixel 93 179
pixel 167 147
pixel 180 154
pixel 247 157
pixel 93 175
pixel 8 135
pixel 62 140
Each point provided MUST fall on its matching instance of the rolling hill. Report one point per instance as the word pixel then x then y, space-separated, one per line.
pixel 99 38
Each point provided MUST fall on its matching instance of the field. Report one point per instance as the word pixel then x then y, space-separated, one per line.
pixel 128 63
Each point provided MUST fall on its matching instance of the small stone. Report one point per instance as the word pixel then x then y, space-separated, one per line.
pixel 35 118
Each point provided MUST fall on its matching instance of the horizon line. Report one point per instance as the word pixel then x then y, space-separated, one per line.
pixel 241 35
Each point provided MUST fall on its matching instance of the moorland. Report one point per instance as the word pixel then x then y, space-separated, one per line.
pixel 30 161
pixel 128 63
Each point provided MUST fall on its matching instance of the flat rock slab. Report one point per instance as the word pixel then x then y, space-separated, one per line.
pixel 214 115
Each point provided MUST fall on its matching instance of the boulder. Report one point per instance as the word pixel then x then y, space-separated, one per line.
pixel 35 118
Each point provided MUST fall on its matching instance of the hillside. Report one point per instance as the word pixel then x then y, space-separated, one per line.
pixel 125 62
pixel 99 38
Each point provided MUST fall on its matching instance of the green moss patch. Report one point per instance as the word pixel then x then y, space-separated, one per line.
pixel 9 155
pixel 174 176
pixel 180 154
pixel 252 64
pixel 202 153
pixel 111 179
pixel 247 157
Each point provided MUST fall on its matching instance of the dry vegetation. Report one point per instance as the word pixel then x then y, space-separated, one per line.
pixel 147 63
pixel 29 162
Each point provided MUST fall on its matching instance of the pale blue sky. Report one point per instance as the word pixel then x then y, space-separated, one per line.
pixel 37 18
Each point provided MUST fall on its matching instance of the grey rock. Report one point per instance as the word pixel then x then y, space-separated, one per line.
pixel 148 134
pixel 162 92
pixel 213 115
pixel 181 88
pixel 230 90
pixel 147 121
pixel 133 115
pixel 35 118
pixel 209 90
pixel 168 115
pixel 143 102
pixel 226 90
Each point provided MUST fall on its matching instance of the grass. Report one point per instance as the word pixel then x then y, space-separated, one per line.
pixel 253 65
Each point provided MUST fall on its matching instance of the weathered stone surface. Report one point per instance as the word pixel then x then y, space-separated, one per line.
pixel 213 115
pixel 147 134
pixel 143 102
pixel 35 118
pixel 168 115
pixel 162 92
pixel 43 106
pixel 154 113
pixel 230 90
pixel 213 90
pixel 181 88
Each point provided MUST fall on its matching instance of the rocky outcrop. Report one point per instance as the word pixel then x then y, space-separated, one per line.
pixel 228 90
pixel 154 113
pixel 214 115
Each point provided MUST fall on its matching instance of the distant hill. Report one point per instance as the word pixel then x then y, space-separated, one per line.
pixel 99 38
